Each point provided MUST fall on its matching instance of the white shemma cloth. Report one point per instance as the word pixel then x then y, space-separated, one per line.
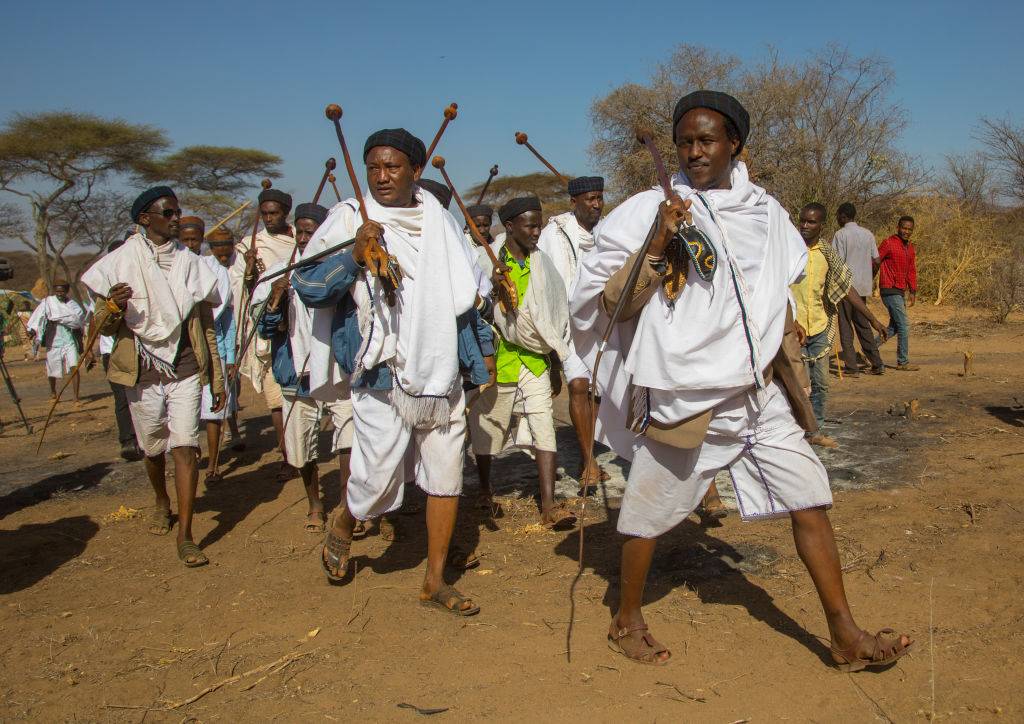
pixel 165 414
pixel 773 469
pixel 302 427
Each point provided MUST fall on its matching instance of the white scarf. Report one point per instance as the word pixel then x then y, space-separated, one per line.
pixel 300 321
pixel 566 243
pixel 54 310
pixel 223 285
pixel 160 301
pixel 416 337
pixel 541 323
pixel 697 354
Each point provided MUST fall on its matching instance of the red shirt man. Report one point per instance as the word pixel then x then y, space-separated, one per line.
pixel 898 268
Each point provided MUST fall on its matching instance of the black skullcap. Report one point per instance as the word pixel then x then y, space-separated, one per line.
pixel 441 191
pixel 400 140
pixel 147 197
pixel 584 184
pixel 480 210
pixel 316 212
pixel 517 206
pixel 716 101
pixel 279 196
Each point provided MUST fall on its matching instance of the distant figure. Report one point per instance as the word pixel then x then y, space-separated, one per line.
pixel 192 231
pixel 57 323
pixel 856 246
pixel 896 279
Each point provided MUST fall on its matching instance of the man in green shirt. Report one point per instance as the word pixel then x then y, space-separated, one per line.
pixel 537 328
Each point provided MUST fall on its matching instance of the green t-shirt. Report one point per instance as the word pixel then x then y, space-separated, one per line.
pixel 509 358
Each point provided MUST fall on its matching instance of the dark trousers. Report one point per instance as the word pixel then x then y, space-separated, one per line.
pixel 851 320
pixel 125 428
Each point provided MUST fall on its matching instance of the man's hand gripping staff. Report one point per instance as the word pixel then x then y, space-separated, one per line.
pixel 369 250
pixel 508 297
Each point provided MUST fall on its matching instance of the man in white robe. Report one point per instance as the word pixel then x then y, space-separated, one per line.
pixel 690 370
pixel 57 323
pixel 274 244
pixel 566 239
pixel 155 297
pixel 406 351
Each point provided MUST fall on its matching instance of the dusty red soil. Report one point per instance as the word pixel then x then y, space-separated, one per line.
pixel 103 623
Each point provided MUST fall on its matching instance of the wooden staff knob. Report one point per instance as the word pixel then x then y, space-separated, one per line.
pixel 521 138
pixel 643 134
pixel 266 184
pixel 331 164
pixel 333 112
pixel 451 111
pixel 494 170
pixel 438 162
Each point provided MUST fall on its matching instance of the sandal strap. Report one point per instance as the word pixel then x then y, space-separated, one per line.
pixel 446 594
pixel 624 632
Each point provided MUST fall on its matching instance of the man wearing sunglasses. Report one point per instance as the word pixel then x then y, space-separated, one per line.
pixel 156 299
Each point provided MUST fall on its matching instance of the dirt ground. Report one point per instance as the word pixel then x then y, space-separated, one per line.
pixel 102 622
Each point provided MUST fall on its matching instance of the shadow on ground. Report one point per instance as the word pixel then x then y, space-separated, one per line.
pixel 35 550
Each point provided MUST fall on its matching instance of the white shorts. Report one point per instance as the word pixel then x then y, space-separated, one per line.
pixel 575 369
pixel 230 407
pixel 375 484
pixel 773 469
pixel 61 360
pixel 302 417
pixel 165 414
pixel 490 418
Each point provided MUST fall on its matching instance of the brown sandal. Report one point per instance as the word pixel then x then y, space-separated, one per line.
pixel 885 652
pixel 334 556
pixel 560 518
pixel 645 651
pixel 448 599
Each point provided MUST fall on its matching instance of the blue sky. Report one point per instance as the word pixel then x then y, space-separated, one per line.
pixel 259 74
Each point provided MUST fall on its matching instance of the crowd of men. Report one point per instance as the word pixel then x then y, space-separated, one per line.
pixel 416 333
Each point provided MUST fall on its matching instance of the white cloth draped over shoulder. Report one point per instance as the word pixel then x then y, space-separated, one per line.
pixel 566 243
pixel 161 300
pixel 696 354
pixel 223 285
pixel 541 323
pixel 300 320
pixel 54 311
pixel 417 337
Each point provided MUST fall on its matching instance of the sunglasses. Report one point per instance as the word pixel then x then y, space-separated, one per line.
pixel 167 213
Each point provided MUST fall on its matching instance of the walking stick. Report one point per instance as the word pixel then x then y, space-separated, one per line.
pixel 493 172
pixel 328 167
pixel 508 297
pixel 645 139
pixel 334 186
pixel 246 290
pixel 229 217
pixel 449 115
pixel 14 394
pixel 522 140
pixel 94 334
pixel 381 264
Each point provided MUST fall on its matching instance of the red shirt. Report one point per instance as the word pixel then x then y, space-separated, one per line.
pixel 898 267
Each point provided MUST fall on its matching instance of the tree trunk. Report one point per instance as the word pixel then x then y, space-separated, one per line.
pixel 42 221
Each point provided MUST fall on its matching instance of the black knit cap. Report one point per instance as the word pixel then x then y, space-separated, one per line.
pixel 400 140
pixel 480 210
pixel 585 184
pixel 716 101
pixel 316 212
pixel 440 191
pixel 518 206
pixel 144 200
pixel 279 196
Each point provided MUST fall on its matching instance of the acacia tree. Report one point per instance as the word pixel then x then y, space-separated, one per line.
pixel 53 158
pixel 93 224
pixel 545 186
pixel 215 179
pixel 1004 143
pixel 821 130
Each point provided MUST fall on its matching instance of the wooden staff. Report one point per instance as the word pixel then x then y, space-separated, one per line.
pixel 493 172
pixel 449 115
pixel 508 297
pixel 328 167
pixel 646 140
pixel 229 217
pixel 381 264
pixel 247 288
pixel 337 193
pixel 522 140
